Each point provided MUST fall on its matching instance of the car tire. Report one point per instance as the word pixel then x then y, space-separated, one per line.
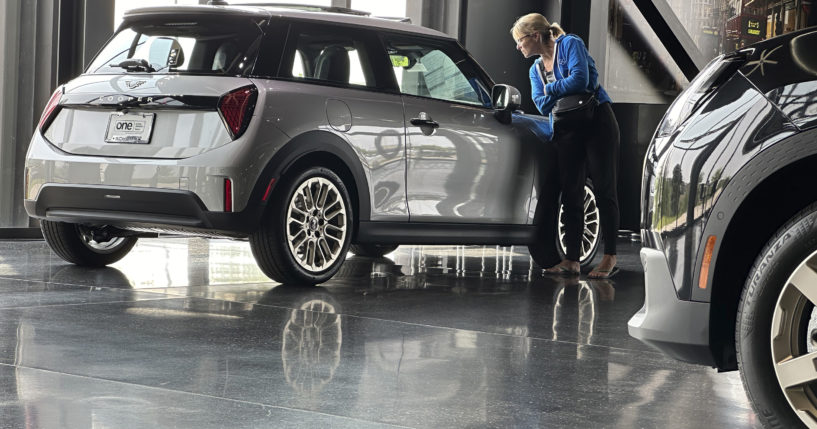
pixel 591 237
pixel 372 250
pixel 75 244
pixel 292 245
pixel 772 301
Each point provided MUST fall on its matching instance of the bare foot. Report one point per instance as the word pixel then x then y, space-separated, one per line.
pixel 605 269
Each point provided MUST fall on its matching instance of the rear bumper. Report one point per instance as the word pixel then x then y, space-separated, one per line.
pixel 132 207
pixel 677 328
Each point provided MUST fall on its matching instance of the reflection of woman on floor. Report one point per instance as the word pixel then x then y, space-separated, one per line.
pixel 594 145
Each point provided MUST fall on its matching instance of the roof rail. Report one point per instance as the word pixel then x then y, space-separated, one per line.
pixel 405 19
pixel 309 8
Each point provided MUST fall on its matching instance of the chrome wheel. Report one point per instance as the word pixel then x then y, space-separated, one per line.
pixel 590 236
pixel 794 340
pixel 316 224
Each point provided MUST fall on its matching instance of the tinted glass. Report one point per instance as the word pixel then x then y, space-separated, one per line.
pixel 323 54
pixel 436 71
pixel 178 45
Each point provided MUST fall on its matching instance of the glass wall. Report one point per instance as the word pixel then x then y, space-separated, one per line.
pixel 720 26
pixel 637 67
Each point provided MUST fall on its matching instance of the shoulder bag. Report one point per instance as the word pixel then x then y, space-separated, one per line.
pixel 574 109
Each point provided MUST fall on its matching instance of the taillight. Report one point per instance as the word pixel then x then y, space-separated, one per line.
pixel 236 109
pixel 53 102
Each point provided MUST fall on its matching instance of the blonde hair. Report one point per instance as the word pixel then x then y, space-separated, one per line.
pixel 535 23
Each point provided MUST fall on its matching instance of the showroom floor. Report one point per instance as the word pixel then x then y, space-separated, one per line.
pixel 189 333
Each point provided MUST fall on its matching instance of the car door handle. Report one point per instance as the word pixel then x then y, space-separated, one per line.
pixel 423 120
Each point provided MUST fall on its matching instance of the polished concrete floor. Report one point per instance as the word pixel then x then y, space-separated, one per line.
pixel 189 333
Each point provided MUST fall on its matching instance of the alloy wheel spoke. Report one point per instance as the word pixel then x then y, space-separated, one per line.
pixel 325 248
pixel 319 251
pixel 297 245
pixel 805 280
pixel 323 194
pixel 298 211
pixel 334 214
pixel 797 371
pixel 331 205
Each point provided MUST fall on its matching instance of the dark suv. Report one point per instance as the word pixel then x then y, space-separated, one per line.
pixel 729 211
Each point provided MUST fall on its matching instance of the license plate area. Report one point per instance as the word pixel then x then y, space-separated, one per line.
pixel 134 128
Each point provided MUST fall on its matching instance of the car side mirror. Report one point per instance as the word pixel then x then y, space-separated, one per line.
pixel 505 99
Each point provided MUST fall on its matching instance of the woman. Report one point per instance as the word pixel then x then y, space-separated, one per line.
pixel 592 148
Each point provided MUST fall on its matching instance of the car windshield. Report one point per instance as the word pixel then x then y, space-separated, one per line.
pixel 189 46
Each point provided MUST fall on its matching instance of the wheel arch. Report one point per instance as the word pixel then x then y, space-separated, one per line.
pixel 777 196
pixel 327 150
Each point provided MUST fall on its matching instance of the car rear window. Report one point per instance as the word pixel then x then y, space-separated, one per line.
pixel 182 45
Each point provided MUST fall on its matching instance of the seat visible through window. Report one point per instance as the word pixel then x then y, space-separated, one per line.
pixel 333 64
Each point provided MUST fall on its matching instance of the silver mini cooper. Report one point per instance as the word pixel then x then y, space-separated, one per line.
pixel 309 133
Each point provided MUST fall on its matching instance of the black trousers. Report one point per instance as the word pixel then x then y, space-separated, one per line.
pixel 591 150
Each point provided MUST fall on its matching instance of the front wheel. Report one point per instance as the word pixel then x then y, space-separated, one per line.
pixel 304 240
pixel 85 245
pixel 776 330
pixel 591 234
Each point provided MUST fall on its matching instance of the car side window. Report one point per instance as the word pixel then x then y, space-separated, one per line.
pixel 320 54
pixel 436 71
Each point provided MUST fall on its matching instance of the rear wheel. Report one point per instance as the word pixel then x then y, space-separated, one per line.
pixel 85 245
pixel 372 250
pixel 776 332
pixel 304 240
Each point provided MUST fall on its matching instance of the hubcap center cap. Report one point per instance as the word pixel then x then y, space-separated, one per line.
pixel 313 224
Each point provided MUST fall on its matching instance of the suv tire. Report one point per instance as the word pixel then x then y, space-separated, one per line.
pixel 772 302
pixel 75 244
pixel 304 240
pixel 372 250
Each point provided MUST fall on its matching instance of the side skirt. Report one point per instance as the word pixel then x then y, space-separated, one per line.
pixel 444 233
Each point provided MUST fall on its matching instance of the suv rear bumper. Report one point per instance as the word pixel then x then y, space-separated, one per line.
pixel 675 327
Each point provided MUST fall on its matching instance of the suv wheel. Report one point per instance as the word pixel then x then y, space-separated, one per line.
pixel 305 239
pixel 85 245
pixel 776 330
pixel 372 250
pixel 591 236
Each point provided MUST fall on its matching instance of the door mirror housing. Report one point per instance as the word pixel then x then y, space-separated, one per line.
pixel 505 99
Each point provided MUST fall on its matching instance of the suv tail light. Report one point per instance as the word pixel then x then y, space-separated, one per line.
pixel 50 108
pixel 236 108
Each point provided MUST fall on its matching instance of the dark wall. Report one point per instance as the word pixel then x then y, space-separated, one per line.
pixel 637 123
pixel 486 34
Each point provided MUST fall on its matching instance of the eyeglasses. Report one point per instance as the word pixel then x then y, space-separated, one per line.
pixel 519 40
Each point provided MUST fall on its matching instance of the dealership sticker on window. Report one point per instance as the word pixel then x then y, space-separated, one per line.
pixel 130 128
